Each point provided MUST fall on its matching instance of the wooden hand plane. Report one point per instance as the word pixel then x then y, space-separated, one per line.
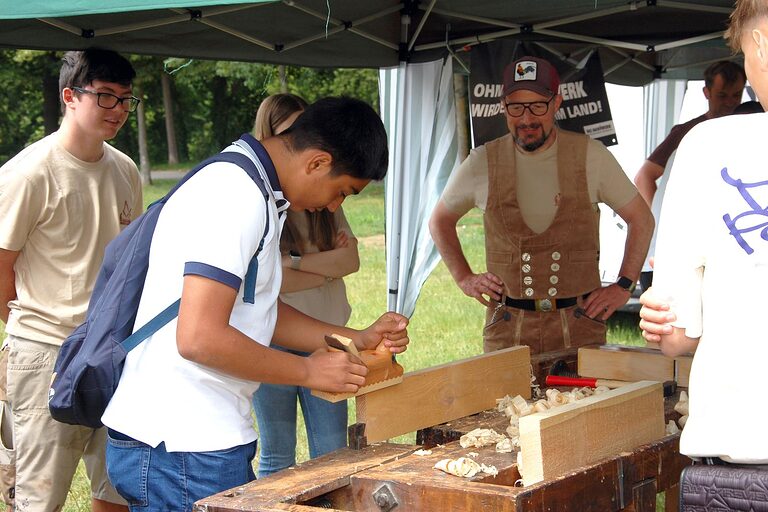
pixel 383 370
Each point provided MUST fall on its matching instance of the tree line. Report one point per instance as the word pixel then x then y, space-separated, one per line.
pixel 190 109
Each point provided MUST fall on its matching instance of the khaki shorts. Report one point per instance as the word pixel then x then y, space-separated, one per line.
pixel 7 453
pixel 48 452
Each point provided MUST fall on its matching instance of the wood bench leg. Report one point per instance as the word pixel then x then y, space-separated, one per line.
pixel 672 499
pixel 643 497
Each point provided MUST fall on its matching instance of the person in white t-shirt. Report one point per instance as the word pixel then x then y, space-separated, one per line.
pixel 180 425
pixel 712 266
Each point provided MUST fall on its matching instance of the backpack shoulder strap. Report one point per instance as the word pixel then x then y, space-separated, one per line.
pixel 249 287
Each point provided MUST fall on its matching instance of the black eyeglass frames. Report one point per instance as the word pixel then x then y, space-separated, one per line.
pixel 110 101
pixel 537 108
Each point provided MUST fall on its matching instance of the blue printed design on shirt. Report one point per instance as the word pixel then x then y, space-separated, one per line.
pixel 754 219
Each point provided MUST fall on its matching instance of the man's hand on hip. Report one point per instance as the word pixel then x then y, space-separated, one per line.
pixel 602 302
pixel 481 286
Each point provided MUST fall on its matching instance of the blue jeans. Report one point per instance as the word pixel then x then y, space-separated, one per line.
pixel 275 407
pixel 152 479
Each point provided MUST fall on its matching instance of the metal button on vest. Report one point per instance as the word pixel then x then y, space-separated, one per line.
pixel 552 292
pixel 527 280
pixel 526 268
pixel 553 279
pixel 555 267
pixel 556 256
pixel 529 292
pixel 526 256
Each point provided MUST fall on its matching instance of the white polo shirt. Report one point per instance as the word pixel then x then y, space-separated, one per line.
pixel 712 264
pixel 211 226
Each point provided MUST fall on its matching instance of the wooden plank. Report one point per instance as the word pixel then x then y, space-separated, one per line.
pixel 418 486
pixel 625 365
pixel 444 393
pixel 683 370
pixel 575 435
pixel 305 482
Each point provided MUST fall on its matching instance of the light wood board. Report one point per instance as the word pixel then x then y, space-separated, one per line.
pixel 571 436
pixel 633 365
pixel 443 393
pixel 625 365
pixel 683 370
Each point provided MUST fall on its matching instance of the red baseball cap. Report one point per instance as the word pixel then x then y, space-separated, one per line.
pixel 533 74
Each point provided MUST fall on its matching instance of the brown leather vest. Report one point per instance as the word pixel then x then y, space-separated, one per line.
pixel 560 262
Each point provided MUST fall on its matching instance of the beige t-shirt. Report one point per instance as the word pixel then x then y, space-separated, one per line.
pixel 327 302
pixel 538 190
pixel 60 212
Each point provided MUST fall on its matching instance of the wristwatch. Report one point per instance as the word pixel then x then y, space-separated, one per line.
pixel 626 283
pixel 295 259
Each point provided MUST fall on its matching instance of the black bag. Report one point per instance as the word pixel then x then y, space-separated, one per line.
pixel 724 487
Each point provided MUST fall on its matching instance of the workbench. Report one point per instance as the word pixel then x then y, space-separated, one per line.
pixel 386 476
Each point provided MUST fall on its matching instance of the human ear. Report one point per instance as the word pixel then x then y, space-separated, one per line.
pixel 318 161
pixel 761 42
pixel 67 96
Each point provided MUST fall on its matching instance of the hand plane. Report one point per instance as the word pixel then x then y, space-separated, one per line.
pixel 383 370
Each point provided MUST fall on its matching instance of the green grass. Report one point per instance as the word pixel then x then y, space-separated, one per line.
pixel 446 325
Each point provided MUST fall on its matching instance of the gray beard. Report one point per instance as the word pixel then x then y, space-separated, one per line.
pixel 534 145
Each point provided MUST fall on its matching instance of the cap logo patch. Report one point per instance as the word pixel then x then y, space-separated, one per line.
pixel 525 70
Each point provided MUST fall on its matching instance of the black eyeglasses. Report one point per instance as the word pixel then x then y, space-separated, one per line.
pixel 110 101
pixel 537 108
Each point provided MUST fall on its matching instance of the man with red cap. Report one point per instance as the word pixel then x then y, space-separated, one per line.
pixel 539 188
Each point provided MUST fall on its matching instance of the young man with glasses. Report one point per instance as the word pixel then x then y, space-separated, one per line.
pixel 539 188
pixel 62 199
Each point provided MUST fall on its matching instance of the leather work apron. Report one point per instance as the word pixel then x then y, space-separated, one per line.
pixel 559 263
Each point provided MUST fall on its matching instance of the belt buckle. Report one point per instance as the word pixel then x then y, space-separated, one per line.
pixel 544 305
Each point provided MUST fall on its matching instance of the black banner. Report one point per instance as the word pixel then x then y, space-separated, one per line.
pixel 585 103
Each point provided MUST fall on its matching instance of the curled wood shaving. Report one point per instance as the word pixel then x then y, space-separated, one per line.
pixel 464 467
pixel 422 453
pixel 672 428
pixel 480 437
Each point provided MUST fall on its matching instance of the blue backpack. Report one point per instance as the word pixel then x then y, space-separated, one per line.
pixel 91 359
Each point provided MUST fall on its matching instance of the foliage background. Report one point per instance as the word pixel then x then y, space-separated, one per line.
pixel 213 101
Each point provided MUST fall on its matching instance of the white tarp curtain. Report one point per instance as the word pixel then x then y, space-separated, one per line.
pixel 663 101
pixel 418 110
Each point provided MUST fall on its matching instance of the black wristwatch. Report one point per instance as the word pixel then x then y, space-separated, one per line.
pixel 626 283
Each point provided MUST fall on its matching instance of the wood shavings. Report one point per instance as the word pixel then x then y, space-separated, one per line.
pixel 503 403
pixel 474 455
pixel 513 430
pixel 464 467
pixel 480 437
pixel 504 446
pixel 671 428
pixel 489 470
pixel 422 453
pixel 682 407
pixel 601 389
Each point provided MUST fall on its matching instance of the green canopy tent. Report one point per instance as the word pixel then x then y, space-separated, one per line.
pixel 638 41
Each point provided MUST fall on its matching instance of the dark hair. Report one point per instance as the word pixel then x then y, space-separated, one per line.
pixel 273 111
pixel 80 68
pixel 742 17
pixel 749 107
pixel 730 71
pixel 349 130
